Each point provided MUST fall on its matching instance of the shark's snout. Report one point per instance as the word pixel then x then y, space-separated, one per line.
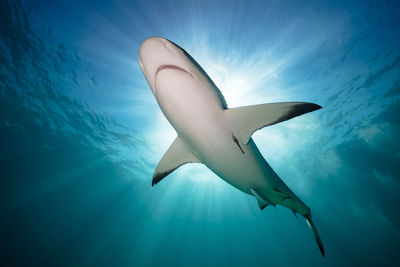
pixel 153 46
pixel 157 54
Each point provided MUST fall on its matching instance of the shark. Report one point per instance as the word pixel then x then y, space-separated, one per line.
pixel 211 133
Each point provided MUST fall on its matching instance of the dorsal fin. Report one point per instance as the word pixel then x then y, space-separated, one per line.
pixel 246 120
pixel 177 155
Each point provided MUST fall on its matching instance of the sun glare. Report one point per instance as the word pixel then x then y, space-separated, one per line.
pixel 233 87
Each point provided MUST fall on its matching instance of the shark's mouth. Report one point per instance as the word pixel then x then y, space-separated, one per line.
pixel 173 67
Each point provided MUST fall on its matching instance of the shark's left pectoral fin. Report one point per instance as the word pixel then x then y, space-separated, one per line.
pixel 246 120
pixel 177 155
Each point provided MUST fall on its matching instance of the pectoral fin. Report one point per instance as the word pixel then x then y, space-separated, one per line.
pixel 177 155
pixel 246 120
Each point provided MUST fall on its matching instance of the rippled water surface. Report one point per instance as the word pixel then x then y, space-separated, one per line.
pixel 81 133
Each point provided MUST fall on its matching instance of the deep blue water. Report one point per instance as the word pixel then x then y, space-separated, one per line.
pixel 81 134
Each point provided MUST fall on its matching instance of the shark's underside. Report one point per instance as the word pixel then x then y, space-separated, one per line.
pixel 212 134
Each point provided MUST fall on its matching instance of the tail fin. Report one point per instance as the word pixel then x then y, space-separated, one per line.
pixel 316 235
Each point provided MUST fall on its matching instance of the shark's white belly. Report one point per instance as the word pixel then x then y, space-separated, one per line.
pixel 194 112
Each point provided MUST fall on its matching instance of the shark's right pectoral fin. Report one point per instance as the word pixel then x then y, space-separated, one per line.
pixel 246 120
pixel 177 155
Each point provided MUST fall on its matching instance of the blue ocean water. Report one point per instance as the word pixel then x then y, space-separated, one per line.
pixel 81 134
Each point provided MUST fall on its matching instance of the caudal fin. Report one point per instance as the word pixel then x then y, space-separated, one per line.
pixel 316 235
